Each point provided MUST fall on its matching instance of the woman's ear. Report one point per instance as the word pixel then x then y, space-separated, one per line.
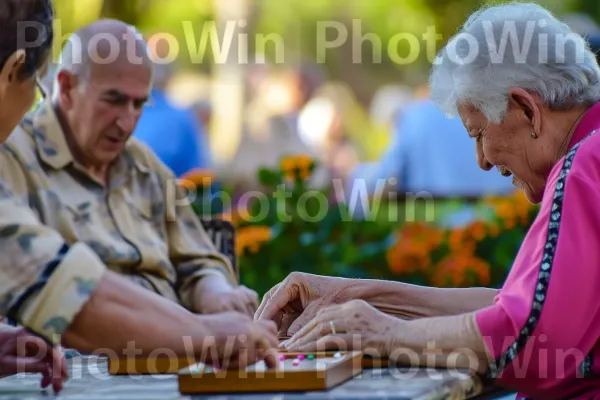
pixel 526 102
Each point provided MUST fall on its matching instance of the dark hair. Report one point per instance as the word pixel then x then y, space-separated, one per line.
pixel 27 25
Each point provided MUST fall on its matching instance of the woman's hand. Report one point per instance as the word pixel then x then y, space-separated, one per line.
pixel 296 300
pixel 355 325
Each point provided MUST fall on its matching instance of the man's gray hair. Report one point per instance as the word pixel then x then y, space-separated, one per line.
pixel 514 45
pixel 100 43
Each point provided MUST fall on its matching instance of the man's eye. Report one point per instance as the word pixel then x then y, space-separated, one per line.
pixel 117 101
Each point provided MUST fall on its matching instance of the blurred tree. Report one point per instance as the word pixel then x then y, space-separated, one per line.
pixel 129 11
pixel 590 7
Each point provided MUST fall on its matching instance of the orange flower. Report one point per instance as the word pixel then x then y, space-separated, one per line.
pixel 410 253
pixel 494 230
pixel 477 230
pixel 197 178
pixel 252 238
pixel 505 210
pixel 512 209
pixel 460 241
pixel 460 270
pixel 297 167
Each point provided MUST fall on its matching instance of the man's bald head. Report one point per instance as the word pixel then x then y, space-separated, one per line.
pixel 102 84
pixel 105 43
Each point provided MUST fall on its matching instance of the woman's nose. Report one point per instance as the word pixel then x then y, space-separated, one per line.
pixel 483 163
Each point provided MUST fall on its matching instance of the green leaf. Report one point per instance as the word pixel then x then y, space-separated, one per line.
pixel 268 177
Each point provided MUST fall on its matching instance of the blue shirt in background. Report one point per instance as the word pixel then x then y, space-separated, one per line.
pixel 174 134
pixel 433 153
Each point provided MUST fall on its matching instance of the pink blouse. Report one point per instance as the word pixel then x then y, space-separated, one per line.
pixel 544 326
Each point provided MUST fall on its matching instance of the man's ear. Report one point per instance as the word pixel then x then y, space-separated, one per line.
pixel 66 83
pixel 11 68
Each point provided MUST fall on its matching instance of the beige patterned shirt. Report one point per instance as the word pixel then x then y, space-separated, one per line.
pixel 60 229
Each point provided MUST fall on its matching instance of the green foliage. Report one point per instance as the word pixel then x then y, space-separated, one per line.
pixel 292 227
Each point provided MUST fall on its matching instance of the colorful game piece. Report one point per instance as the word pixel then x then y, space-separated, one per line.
pixel 301 357
pixel 296 362
pixel 282 357
pixel 311 357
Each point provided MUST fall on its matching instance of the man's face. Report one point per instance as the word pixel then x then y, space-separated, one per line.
pixel 103 115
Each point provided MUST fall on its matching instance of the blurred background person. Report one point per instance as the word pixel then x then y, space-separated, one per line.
pixel 323 127
pixel 431 153
pixel 174 133
pixel 271 129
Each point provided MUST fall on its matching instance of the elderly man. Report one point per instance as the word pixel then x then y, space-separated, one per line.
pixel 74 159
pixel 85 222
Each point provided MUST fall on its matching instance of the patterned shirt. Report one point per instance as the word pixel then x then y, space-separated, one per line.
pixel 60 229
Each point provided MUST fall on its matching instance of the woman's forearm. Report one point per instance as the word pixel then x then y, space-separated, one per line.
pixel 452 342
pixel 411 301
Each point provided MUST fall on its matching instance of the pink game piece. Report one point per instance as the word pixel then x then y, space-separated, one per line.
pixel 295 362
pixel 301 357
pixel 282 357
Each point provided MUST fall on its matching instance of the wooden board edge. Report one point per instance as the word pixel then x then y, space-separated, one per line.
pixel 302 381
pixel 147 366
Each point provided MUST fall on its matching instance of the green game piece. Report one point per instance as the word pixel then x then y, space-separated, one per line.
pixel 311 357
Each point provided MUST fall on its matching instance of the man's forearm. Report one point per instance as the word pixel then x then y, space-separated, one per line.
pixel 447 342
pixel 120 313
pixel 412 301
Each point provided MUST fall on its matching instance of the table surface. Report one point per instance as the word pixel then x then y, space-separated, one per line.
pixel 89 379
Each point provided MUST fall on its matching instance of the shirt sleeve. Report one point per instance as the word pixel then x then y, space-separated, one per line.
pixel 44 282
pixel 543 325
pixel 190 248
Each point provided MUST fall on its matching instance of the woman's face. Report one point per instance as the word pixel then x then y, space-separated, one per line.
pixel 510 148
pixel 16 97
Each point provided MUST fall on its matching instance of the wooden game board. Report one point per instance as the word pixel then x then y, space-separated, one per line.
pixel 164 365
pixel 321 373
pixel 367 361
pixel 147 366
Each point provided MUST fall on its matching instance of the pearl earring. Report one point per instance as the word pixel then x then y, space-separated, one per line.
pixel 533 135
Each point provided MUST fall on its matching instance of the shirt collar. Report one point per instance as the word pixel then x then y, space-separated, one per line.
pixel 51 143
pixel 589 122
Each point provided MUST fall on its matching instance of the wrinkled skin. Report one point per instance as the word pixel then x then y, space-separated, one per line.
pixel 238 341
pixel 22 352
pixel 355 325
pixel 239 299
pixel 297 300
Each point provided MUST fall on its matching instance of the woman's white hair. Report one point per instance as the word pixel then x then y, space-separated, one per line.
pixel 514 45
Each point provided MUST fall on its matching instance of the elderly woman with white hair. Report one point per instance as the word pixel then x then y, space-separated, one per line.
pixel 531 102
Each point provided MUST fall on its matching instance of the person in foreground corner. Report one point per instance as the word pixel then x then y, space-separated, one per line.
pixel 54 281
pixel 20 69
pixel 538 122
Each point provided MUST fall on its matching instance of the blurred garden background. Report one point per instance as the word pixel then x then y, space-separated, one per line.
pixel 307 124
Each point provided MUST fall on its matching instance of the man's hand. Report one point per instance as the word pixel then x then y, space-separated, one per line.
pixel 22 352
pixel 295 301
pixel 213 295
pixel 235 341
